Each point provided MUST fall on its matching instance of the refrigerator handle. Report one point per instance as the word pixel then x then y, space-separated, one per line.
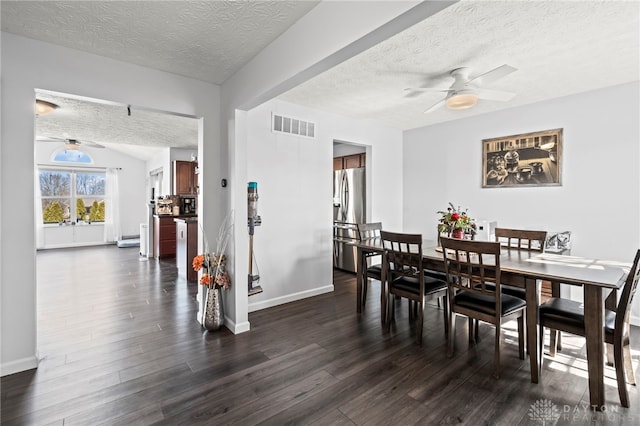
pixel 345 195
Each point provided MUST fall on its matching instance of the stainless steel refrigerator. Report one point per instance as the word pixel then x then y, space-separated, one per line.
pixel 348 210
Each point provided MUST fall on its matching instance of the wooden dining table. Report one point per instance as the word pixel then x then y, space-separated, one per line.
pixel 524 269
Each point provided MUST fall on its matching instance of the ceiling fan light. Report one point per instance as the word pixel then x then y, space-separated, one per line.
pixel 462 101
pixel 44 107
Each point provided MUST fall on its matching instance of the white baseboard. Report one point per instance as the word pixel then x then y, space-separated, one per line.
pixel 19 365
pixel 269 303
pixel 237 328
pixel 635 320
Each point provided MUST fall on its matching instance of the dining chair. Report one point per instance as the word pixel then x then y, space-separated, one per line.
pixel 568 316
pixel 403 274
pixel 475 290
pixel 523 240
pixel 366 231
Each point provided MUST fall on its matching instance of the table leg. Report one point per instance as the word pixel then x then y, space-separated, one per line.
pixel 360 279
pixel 594 320
pixel 533 301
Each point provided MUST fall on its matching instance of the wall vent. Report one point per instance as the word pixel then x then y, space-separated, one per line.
pixel 293 126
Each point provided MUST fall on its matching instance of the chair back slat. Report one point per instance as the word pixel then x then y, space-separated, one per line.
pixel 522 239
pixel 369 230
pixel 471 265
pixel 403 253
pixel 630 286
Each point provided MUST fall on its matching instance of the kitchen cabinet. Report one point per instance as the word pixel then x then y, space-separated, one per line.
pixel 354 161
pixel 164 236
pixel 185 179
pixel 186 247
pixel 338 163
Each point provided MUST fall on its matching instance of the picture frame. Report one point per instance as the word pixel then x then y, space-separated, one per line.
pixel 524 160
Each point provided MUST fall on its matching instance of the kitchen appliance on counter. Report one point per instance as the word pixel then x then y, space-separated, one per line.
pixel 164 206
pixel 188 205
pixel 348 210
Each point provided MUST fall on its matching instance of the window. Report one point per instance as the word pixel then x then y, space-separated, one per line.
pixel 69 195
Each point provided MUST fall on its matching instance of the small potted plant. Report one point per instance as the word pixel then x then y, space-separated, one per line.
pixel 456 223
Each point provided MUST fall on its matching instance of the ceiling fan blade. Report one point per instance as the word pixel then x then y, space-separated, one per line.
pixel 91 144
pixel 435 106
pixel 49 139
pixel 427 89
pixel 493 75
pixel 495 95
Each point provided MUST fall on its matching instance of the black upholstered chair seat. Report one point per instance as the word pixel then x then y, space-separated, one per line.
pixel 435 274
pixel 520 293
pixel 487 304
pixel 375 272
pixel 572 313
pixel 412 285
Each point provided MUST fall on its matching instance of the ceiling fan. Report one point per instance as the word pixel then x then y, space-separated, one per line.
pixel 464 92
pixel 71 144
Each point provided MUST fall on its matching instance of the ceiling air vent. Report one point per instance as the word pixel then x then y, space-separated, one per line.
pixel 293 126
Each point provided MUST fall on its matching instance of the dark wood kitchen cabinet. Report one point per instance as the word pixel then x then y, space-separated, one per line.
pixel 164 237
pixel 185 179
pixel 354 161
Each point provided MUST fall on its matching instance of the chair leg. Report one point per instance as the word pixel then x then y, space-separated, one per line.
pixel 628 363
pixel 445 304
pixel 390 311
pixel 452 333
pixel 365 286
pixel 384 302
pixel 476 332
pixel 420 322
pixel 472 337
pixel 622 384
pixel 541 345
pixel 496 354
pixel 559 344
pixel 553 341
pixel 610 358
pixel 521 337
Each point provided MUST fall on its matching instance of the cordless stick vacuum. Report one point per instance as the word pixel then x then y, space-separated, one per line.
pixel 254 220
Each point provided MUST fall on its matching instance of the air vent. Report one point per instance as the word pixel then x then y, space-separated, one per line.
pixel 293 126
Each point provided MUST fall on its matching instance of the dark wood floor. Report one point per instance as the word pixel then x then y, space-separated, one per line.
pixel 119 345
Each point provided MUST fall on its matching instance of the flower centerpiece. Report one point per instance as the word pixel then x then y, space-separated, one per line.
pixel 456 222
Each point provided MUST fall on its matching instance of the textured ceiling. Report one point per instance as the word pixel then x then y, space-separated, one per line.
pixel 141 134
pixel 205 40
pixel 558 47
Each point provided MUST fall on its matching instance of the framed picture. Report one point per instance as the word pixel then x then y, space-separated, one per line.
pixel 529 159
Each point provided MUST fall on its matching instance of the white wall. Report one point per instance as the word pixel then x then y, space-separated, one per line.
pixel 599 198
pixel 76 73
pixel 131 181
pixel 293 246
pixel 355 26
pixel 162 160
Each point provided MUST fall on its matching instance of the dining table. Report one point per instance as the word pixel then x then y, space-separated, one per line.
pixel 525 269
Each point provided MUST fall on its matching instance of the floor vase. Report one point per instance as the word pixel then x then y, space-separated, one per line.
pixel 213 314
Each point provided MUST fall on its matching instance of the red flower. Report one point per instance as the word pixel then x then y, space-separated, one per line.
pixel 455 216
